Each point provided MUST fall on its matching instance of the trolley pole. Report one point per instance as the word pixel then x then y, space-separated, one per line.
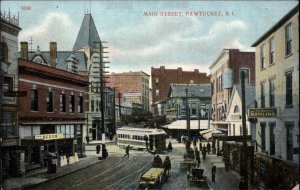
pixel 245 161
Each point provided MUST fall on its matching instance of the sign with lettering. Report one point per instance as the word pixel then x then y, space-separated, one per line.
pixel 262 112
pixel 49 136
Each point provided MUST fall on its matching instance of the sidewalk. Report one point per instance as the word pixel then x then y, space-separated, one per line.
pixel 41 176
pixel 224 179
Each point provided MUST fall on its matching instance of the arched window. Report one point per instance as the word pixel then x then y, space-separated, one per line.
pixel 236 109
pixel 3 52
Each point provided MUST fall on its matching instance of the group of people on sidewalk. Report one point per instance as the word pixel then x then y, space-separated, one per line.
pixel 104 151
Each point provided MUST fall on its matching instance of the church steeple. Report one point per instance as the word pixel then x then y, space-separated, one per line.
pixel 87 34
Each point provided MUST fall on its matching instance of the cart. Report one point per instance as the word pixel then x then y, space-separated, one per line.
pixel 153 178
pixel 187 163
pixel 197 176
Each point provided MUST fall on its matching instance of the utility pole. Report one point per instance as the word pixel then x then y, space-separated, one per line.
pixel 245 161
pixel 187 114
pixel 120 112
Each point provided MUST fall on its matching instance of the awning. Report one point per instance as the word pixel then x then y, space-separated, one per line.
pixel 181 124
pixel 207 134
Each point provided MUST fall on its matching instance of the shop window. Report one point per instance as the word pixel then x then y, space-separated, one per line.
pixel 7 120
pixel 72 104
pixel 50 102
pixel 62 99
pixel 34 100
pixel 289 140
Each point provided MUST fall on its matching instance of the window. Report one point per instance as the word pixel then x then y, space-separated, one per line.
pixel 3 52
pixel 262 94
pixel 289 89
pixel 80 104
pixel 72 104
pixel 8 83
pixel 246 75
pixel 194 111
pixel 157 92
pixel 272 138
pixel 288 39
pixel 262 57
pixel 50 102
pixel 229 130
pixel 289 140
pixel 236 109
pixel 272 49
pixel 263 136
pixel 92 105
pixel 233 129
pixel 272 93
pixel 62 100
pixel 7 120
pixel 156 81
pixel 97 105
pixel 34 100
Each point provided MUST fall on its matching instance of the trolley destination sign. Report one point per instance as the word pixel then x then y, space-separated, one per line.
pixel 262 112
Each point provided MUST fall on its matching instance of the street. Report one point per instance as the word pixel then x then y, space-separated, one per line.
pixel 118 172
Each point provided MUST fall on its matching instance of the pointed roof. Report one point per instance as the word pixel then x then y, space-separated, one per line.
pixel 87 34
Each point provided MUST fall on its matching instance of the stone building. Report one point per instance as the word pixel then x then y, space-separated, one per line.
pixel 225 73
pixel 162 78
pixel 277 87
pixel 9 133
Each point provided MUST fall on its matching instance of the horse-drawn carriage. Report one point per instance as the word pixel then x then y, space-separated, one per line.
pixel 188 160
pixel 153 178
pixel 197 176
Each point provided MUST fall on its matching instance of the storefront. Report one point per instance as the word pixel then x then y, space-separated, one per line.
pixel 274 173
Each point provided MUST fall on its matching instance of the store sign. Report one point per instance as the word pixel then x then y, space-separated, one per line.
pixel 262 112
pixel 49 136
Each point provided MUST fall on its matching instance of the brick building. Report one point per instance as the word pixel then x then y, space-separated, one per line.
pixel 132 86
pixel 51 115
pixel 162 78
pixel 225 74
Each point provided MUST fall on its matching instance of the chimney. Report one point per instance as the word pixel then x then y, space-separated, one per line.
pixel 53 54
pixel 24 50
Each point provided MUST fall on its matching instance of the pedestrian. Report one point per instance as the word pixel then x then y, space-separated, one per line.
pixel 208 147
pixel 242 185
pixel 167 165
pixel 213 173
pixel 194 142
pixel 204 153
pixel 104 152
pixel 127 151
pixel 200 146
pixel 98 148
pixel 146 140
pixel 45 158
pixel 170 147
pixel 87 138
pixel 197 157
pixel 157 162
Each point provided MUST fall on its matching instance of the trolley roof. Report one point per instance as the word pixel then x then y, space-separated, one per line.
pixel 140 130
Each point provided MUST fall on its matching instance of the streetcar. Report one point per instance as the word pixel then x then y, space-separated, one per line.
pixel 142 138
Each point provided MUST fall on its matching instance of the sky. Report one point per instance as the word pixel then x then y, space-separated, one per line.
pixel 145 34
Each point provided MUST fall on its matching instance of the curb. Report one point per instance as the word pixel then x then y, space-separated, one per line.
pixel 29 186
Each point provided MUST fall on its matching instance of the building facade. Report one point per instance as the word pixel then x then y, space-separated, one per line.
pixel 162 78
pixel 132 87
pixel 9 134
pixel 225 72
pixel 51 114
pixel 277 86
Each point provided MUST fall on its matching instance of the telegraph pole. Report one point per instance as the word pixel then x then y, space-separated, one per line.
pixel 245 161
pixel 187 114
